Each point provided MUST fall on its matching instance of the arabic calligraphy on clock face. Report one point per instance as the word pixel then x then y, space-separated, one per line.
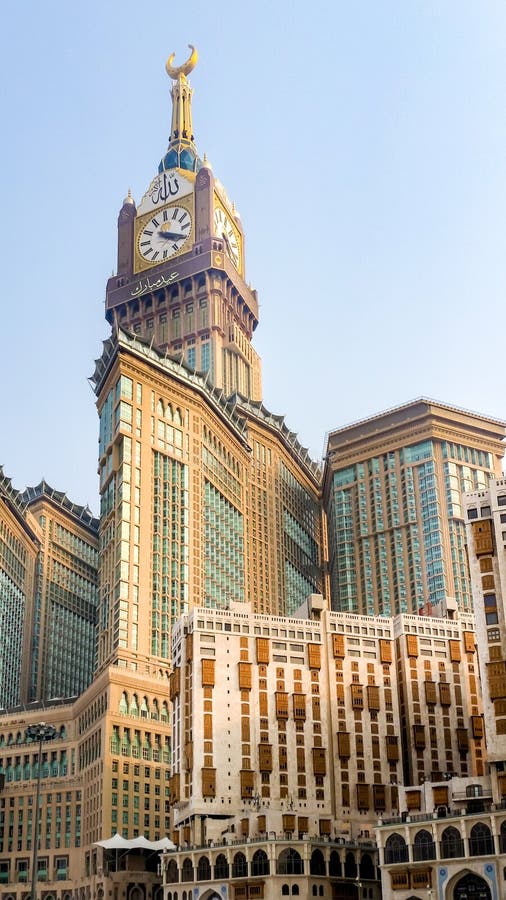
pixel 165 187
pixel 165 234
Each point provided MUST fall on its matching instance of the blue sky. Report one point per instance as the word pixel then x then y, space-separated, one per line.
pixel 364 146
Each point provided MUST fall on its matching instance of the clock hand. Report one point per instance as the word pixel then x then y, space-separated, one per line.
pixel 170 235
pixel 227 243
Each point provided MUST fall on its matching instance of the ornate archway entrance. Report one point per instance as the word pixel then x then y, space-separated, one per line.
pixel 472 887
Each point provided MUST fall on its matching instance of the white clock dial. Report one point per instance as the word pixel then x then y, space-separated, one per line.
pixel 224 229
pixel 165 234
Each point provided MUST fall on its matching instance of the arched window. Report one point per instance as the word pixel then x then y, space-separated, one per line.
pixel 203 869
pixel 317 863
pixel 474 790
pixel 423 846
pixel 285 890
pixel 502 838
pixel 452 845
pixel 134 706
pixel 350 866
pixel 260 863
pixel 172 872
pixel 144 708
pixel 366 869
pixel 396 849
pixel 239 866
pixel 295 889
pixel 481 842
pixel 187 870
pixel 289 862
pixel 335 864
pixel 221 868
pixel 123 704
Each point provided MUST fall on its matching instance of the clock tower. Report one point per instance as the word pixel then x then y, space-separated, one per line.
pixel 180 283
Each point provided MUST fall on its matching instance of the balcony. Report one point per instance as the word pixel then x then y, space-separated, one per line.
pixel 444 813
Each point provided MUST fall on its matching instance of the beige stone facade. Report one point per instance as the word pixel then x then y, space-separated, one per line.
pixel 300 731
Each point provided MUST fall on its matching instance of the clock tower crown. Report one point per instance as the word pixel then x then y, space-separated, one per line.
pixel 180 283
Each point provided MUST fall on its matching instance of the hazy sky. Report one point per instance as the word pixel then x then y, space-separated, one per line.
pixel 364 146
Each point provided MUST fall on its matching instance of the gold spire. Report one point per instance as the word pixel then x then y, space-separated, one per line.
pixel 181 134
pixel 175 72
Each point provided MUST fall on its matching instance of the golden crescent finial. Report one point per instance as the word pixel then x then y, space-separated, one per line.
pixel 176 71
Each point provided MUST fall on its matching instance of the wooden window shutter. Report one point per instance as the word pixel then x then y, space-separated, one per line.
pixel 261 823
pixel 325 825
pixel 392 748
pixel 303 824
pixel 208 726
pixel 262 650
pixel 289 823
pixel 477 727
pixel 412 644
pixel 316 709
pixel 394 797
pixel 413 799
pixel 188 752
pixel 189 646
pixel 430 693
pixel 245 729
pixel 497 679
pixel 208 670
pixel 245 827
pixel 399 880
pixel 338 646
pixel 363 796
pixel 373 697
pixel 301 759
pixel 445 695
pixel 462 739
pixel 357 696
pixel 487 583
pixel 265 757
pixel 187 833
pixel 299 706
pixel 483 537
pixel 175 788
pixel 175 683
pixel 245 676
pixel 246 783
pixel 455 654
pixel 209 782
pixel 385 648
pixel 343 744
pixel 469 641
pixel 379 801
pixel 501 784
pixel 440 795
pixel 262 704
pixel 314 652
pixel 419 737
pixel 345 794
pixel 319 761
pixel 281 704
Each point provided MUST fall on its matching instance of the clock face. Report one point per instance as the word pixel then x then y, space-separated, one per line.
pixel 165 234
pixel 224 229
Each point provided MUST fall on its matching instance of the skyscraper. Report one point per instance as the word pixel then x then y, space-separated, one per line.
pixel 48 592
pixel 19 549
pixel 392 494
pixel 198 480
pixel 60 624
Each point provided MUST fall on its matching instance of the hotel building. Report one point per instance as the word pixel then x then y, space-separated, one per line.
pixel 392 495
